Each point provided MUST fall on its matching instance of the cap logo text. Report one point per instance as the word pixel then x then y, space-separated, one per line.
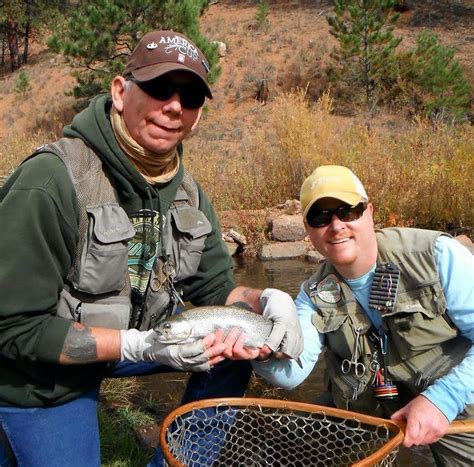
pixel 151 45
pixel 181 45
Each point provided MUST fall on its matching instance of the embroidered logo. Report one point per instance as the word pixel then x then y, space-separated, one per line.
pixel 182 46
pixel 151 45
pixel 329 289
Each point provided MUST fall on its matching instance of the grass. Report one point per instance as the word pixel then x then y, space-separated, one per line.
pixel 262 164
pixel 429 164
pixel 122 413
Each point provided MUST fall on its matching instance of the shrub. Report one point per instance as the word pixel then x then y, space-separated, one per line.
pixel 439 83
pixel 22 85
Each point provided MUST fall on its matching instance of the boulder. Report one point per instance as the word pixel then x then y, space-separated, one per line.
pixel 287 228
pixel 283 250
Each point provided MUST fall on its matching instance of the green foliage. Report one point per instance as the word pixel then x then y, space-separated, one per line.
pixel 99 35
pixel 22 20
pixel 366 59
pixel 119 445
pixel 440 82
pixel 22 85
pixel 261 17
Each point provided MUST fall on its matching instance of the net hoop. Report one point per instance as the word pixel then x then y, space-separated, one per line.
pixel 372 459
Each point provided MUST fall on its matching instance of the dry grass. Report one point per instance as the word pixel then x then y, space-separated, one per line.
pixel 420 175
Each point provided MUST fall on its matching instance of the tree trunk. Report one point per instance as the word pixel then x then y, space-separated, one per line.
pixel 12 39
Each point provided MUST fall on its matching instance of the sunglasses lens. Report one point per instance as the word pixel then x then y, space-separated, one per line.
pixel 318 217
pixel 162 89
pixel 351 213
pixel 191 98
pixel 322 217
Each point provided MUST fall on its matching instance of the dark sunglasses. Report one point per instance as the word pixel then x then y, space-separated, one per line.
pixel 318 217
pixel 190 96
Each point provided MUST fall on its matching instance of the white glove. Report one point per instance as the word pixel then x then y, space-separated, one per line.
pixel 137 346
pixel 286 335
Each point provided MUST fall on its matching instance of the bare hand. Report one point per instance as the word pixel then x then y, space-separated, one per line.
pixel 214 349
pixel 426 424
pixel 235 349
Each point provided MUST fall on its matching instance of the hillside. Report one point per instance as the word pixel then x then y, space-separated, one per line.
pixel 289 52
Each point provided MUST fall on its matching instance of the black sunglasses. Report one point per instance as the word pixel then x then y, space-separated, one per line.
pixel 191 96
pixel 318 217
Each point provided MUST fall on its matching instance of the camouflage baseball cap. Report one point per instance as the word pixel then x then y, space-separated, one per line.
pixel 160 52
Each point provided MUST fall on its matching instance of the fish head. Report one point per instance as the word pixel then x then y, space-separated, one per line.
pixel 174 331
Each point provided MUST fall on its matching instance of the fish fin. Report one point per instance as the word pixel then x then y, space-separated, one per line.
pixel 298 361
pixel 243 305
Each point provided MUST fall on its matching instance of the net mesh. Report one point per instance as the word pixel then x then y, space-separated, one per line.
pixel 268 436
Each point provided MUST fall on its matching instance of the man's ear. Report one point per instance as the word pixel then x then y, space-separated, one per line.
pixel 117 91
pixel 370 208
pixel 195 124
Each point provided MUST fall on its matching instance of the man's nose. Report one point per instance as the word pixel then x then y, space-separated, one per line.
pixel 173 104
pixel 336 223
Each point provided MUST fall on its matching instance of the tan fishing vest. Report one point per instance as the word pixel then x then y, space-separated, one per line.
pixel 97 290
pixel 423 344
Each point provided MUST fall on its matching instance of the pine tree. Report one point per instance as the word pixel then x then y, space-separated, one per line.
pixel 99 34
pixel 22 85
pixel 366 55
pixel 442 80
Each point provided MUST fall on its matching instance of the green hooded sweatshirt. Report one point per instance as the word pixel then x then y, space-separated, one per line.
pixel 38 222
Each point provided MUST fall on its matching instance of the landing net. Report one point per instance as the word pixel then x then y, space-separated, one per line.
pixel 267 432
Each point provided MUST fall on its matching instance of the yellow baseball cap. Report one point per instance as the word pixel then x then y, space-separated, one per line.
pixel 331 181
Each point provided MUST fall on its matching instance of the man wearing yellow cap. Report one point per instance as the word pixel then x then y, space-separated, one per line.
pixel 393 309
pixel 104 234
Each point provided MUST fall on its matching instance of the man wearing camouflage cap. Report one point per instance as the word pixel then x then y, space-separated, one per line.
pixel 114 235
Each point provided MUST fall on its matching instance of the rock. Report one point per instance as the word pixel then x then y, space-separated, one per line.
pixel 283 250
pixel 237 237
pixel 221 48
pixel 291 206
pixel 466 241
pixel 288 228
pixel 232 247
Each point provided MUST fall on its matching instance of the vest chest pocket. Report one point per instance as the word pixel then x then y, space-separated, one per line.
pixel 104 257
pixel 417 323
pixel 191 230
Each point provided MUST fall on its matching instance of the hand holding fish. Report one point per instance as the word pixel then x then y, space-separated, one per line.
pixel 236 349
pixel 286 335
pixel 198 355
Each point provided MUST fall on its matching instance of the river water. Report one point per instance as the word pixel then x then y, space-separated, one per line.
pixel 286 275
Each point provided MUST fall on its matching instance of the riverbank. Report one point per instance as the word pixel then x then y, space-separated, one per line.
pixel 278 233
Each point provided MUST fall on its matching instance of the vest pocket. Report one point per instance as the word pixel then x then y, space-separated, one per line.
pixel 112 312
pixel 104 258
pixel 192 227
pixel 418 322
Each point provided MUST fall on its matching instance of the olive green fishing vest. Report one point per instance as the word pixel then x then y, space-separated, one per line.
pixel 423 344
pixel 97 291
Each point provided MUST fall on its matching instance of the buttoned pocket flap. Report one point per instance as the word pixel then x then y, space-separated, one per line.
pixel 111 224
pixel 191 221
pixel 328 322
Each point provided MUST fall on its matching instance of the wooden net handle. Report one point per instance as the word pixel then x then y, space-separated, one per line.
pixel 457 426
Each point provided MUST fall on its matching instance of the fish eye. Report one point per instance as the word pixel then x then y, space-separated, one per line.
pixel 167 326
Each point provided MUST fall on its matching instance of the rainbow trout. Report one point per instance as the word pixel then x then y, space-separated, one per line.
pixel 198 322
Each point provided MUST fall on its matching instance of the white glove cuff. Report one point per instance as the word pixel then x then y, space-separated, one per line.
pixel 265 295
pixel 132 344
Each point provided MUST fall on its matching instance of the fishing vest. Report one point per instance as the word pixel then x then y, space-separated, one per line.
pixel 423 343
pixel 97 290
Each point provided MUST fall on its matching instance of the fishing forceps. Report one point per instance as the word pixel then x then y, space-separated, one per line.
pixel 359 368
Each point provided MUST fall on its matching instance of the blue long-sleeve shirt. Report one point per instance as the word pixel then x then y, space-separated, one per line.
pixel 452 392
